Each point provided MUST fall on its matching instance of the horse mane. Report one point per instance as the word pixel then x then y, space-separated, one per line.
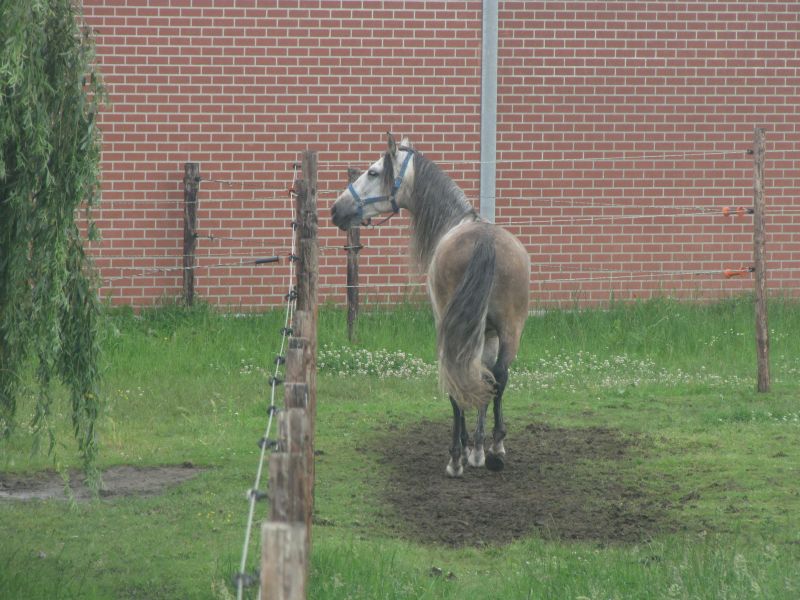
pixel 438 205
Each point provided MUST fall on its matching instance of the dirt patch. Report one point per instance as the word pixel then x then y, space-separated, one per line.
pixel 117 481
pixel 568 484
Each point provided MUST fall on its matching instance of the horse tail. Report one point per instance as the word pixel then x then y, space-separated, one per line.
pixel 461 330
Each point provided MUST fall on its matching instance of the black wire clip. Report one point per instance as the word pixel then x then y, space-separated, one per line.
pixel 256 494
pixel 286 331
pixel 268 443
pixel 292 295
pixel 273 381
pixel 246 580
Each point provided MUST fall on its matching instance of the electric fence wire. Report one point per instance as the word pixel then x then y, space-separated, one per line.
pixel 242 578
pixel 542 282
pixel 584 161
pixel 631 156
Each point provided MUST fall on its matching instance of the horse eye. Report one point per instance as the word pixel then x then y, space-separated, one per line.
pixel 372 173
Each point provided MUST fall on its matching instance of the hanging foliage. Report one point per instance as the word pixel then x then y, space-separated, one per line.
pixel 49 173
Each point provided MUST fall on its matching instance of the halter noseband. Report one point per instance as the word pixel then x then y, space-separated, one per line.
pixel 362 202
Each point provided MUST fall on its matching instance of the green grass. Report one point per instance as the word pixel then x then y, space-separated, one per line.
pixel 191 386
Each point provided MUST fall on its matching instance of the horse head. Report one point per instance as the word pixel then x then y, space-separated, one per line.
pixel 381 189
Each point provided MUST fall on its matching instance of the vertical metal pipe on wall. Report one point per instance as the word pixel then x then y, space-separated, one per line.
pixel 488 171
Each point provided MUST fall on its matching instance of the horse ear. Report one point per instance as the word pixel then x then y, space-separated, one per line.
pixel 392 144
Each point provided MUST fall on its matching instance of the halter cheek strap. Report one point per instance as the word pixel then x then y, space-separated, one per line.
pixel 398 181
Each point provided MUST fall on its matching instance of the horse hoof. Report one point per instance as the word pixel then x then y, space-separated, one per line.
pixel 476 458
pixel 495 462
pixel 451 472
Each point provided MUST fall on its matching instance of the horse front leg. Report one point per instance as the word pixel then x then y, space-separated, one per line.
pixel 455 467
pixel 495 459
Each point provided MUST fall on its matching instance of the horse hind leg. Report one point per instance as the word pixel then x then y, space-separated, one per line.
pixel 495 459
pixel 455 468
pixel 464 436
pixel 476 455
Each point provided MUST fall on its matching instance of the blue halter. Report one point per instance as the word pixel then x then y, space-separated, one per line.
pixel 362 202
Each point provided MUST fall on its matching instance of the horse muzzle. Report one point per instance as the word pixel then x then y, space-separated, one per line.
pixel 345 213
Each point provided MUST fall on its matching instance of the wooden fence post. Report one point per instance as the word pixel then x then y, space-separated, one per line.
pixel 285 564
pixel 307 246
pixel 191 183
pixel 353 248
pixel 290 487
pixel 298 396
pixel 286 539
pixel 760 263
pixel 307 285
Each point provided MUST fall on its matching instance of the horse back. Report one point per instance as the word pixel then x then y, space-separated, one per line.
pixel 510 295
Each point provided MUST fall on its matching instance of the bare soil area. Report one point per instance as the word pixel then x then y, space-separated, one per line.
pixel 117 481
pixel 567 484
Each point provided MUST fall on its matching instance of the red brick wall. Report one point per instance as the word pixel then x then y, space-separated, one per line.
pixel 622 130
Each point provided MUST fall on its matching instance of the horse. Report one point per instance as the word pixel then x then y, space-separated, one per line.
pixel 478 281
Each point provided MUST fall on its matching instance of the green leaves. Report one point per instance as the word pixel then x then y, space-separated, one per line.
pixel 49 169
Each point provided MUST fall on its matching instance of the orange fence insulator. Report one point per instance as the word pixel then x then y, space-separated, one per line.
pixel 739 211
pixel 738 272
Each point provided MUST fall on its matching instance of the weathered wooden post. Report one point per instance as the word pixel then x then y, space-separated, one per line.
pixel 353 247
pixel 298 396
pixel 308 272
pixel 308 252
pixel 284 576
pixel 191 183
pixel 760 263
pixel 286 538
